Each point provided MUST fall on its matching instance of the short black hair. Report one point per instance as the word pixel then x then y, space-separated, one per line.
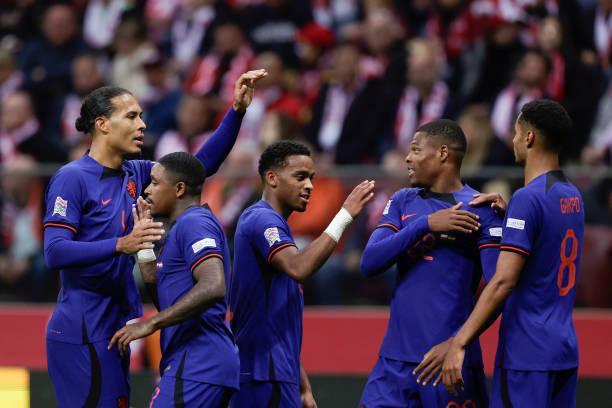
pixel 550 119
pixel 187 168
pixel 276 155
pixel 448 132
pixel 96 104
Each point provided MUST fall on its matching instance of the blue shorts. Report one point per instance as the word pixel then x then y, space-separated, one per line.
pixel 264 394
pixel 88 375
pixel 550 389
pixel 174 392
pixel 392 384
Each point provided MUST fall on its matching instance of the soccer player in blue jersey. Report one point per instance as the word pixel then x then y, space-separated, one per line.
pixel 199 365
pixel 89 237
pixel 536 275
pixel 266 298
pixel 441 249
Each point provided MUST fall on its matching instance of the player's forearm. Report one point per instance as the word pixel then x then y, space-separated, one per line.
pixel 149 277
pixel 310 259
pixel 385 245
pixel 61 251
pixel 204 294
pixel 304 382
pixel 220 143
pixel 485 312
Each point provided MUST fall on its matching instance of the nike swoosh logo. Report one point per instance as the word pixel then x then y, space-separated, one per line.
pixel 104 202
pixel 407 216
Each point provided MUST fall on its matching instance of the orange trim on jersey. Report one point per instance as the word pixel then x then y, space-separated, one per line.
pixel 54 224
pixel 488 246
pixel 513 249
pixel 428 258
pixel 393 227
pixel 202 259
pixel 275 250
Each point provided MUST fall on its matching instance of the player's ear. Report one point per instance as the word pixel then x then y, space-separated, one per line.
pixel 271 178
pixel 101 124
pixel 181 188
pixel 443 153
pixel 530 137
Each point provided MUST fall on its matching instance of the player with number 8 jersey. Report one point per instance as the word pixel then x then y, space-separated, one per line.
pixel 537 332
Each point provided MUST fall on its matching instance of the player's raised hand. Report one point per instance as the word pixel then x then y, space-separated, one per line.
pixel 245 85
pixel 451 369
pixel 497 202
pixel 123 337
pixel 431 365
pixel 359 197
pixel 453 219
pixel 144 210
pixel 142 236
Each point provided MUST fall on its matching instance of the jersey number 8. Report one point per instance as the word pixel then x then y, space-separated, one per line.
pixel 567 262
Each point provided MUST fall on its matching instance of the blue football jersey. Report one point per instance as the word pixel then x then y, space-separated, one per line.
pixel 202 348
pixel 95 203
pixel 544 222
pixel 266 304
pixel 437 276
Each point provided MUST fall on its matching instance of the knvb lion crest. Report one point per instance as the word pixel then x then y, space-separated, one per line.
pixel 131 188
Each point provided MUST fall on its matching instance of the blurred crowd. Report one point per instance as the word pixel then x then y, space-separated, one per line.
pixel 351 78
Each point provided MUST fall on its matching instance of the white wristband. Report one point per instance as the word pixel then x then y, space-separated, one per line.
pixel 338 224
pixel 146 255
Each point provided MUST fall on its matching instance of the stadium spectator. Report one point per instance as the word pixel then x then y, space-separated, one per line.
pixel 87 75
pixel 425 96
pixel 194 120
pixel 272 26
pixel 161 98
pixel 272 95
pixel 599 147
pixel 312 42
pixel 102 17
pixel 216 72
pixel 132 49
pixel 23 274
pixel 530 82
pixel 343 125
pixel 192 28
pixel 11 78
pixel 46 60
pixel 21 132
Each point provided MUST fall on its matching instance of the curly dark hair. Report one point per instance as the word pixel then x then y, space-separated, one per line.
pixel 187 168
pixel 276 155
pixel 448 132
pixel 97 103
pixel 550 119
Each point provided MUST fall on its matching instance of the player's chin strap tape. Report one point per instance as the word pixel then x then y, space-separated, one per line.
pixel 338 224
pixel 146 255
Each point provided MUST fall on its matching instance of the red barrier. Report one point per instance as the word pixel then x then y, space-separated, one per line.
pixel 336 340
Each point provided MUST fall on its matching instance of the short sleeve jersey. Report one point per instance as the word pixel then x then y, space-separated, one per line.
pixel 544 222
pixel 266 304
pixel 94 202
pixel 437 276
pixel 202 348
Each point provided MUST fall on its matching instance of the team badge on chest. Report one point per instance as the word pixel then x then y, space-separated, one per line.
pixel 131 188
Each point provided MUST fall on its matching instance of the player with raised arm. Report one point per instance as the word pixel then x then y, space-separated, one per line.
pixel 89 236
pixel 536 276
pixel 199 365
pixel 441 249
pixel 266 298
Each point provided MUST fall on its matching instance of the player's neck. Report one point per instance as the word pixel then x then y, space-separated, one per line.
pixel 448 183
pixel 540 163
pixel 105 156
pixel 276 204
pixel 183 205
